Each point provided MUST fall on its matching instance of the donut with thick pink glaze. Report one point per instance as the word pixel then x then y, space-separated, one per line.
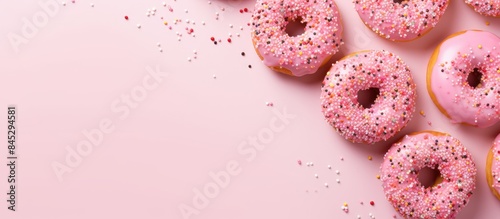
pixel 485 7
pixel 404 160
pixel 391 110
pixel 493 168
pixel 467 52
pixel 401 20
pixel 298 55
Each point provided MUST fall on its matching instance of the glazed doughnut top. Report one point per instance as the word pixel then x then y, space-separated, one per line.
pixel 406 158
pixel 449 69
pixel 392 109
pixel 302 54
pixel 401 21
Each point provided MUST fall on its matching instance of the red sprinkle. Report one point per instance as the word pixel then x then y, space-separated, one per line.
pixel 245 9
pixel 212 38
pixel 241 10
pixel 229 40
pixel 372 203
pixel 126 17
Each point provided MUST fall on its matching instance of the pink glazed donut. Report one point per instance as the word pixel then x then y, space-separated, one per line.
pixel 403 21
pixel 493 168
pixel 404 160
pixel 447 78
pixel 485 7
pixel 392 109
pixel 303 54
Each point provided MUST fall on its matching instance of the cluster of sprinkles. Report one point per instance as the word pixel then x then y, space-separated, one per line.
pixel 392 109
pixel 401 20
pixel 466 53
pixel 298 55
pixel 485 7
pixel 406 158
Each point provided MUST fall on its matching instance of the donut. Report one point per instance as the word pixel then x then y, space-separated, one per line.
pixel 493 168
pixel 401 20
pixel 463 53
pixel 404 160
pixel 392 109
pixel 485 7
pixel 298 55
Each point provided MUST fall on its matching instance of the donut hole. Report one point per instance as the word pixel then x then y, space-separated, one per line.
pixel 429 177
pixel 474 78
pixel 366 98
pixel 295 27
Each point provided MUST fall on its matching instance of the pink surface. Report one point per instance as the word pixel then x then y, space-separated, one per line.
pixel 168 130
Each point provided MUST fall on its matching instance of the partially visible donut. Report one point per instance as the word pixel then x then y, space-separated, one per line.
pixel 485 7
pixel 401 20
pixel 392 109
pixel 404 160
pixel 453 60
pixel 493 168
pixel 298 55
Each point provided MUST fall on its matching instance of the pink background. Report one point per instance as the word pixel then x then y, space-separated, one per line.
pixel 69 75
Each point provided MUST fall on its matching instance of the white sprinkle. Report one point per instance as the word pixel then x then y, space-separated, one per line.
pixel 91 4
pixel 189 59
pixel 185 10
pixel 138 26
pixel 209 2
pixel 195 52
pixel 326 185
pixel 160 49
pixel 329 167
pixel 203 22
pixel 230 26
pixel 316 175
pixel 64 3
pixel 337 172
pixel 358 217
pixel 164 4
pixel 338 180
pixel 215 77
pixel 238 34
pixel 158 44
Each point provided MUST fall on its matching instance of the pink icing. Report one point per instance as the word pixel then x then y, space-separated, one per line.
pixel 392 109
pixel 401 21
pixel 301 54
pixel 486 7
pixel 406 158
pixel 458 56
pixel 495 164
